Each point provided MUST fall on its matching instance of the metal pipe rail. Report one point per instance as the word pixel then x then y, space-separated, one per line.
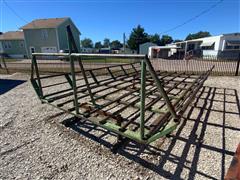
pixel 134 102
pixel 147 81
pixel 137 56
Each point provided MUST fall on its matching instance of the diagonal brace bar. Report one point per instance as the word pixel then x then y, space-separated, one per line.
pixel 160 88
pixel 86 81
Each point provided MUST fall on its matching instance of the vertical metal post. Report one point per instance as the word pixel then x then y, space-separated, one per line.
pixel 142 106
pixel 185 51
pixel 74 86
pixel 238 64
pixel 34 62
pixel 73 47
pixel 160 88
pixel 124 43
pixel 32 70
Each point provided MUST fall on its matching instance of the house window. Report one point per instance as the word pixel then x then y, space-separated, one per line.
pixel 191 46
pixel 44 34
pixel 21 44
pixel 7 45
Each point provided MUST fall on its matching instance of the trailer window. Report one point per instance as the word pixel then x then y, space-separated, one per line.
pixel 232 47
pixel 208 47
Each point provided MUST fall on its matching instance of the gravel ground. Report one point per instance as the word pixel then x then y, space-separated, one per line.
pixel 35 143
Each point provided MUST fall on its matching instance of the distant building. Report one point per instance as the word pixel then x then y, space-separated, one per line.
pixel 127 51
pixel 49 35
pixel 87 50
pixel 12 44
pixel 105 50
pixel 116 51
pixel 143 48
pixel 162 51
pixel 221 46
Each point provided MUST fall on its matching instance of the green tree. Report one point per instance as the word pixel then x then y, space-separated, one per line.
pixel 106 43
pixel 98 45
pixel 155 39
pixel 87 43
pixel 200 34
pixel 116 44
pixel 166 40
pixel 138 36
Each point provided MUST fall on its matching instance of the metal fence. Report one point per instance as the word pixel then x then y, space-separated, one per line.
pixel 193 66
pixel 198 65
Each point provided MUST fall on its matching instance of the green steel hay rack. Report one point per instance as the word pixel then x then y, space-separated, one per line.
pixel 132 100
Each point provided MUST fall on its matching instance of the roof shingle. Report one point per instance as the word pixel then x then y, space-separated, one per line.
pixel 12 35
pixel 44 23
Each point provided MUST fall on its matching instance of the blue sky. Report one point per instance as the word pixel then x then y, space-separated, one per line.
pixel 98 19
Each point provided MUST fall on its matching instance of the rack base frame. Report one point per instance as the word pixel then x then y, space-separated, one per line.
pixel 136 86
pixel 132 100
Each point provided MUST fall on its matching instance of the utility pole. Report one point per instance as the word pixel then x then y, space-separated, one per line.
pixel 124 43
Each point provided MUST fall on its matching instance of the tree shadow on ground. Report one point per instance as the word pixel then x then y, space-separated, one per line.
pixel 8 84
pixel 211 114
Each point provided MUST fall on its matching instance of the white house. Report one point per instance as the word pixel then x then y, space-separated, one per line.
pixel 221 46
pixel 162 51
pixel 87 50
pixel 143 48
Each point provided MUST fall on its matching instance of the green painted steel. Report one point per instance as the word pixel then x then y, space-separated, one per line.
pixel 69 79
pixel 3 64
pixel 133 135
pixel 166 121
pixel 36 88
pixel 142 135
pixel 171 126
pixel 34 62
pixel 160 88
pixel 137 56
pixel 74 86
pixel 86 81
pixel 142 106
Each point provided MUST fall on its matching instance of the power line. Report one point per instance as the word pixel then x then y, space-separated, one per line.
pixel 193 18
pixel 13 11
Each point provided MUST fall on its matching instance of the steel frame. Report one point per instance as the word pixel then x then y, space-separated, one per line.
pixel 3 63
pixel 131 100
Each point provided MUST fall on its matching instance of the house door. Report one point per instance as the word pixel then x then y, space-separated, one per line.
pixel 32 50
